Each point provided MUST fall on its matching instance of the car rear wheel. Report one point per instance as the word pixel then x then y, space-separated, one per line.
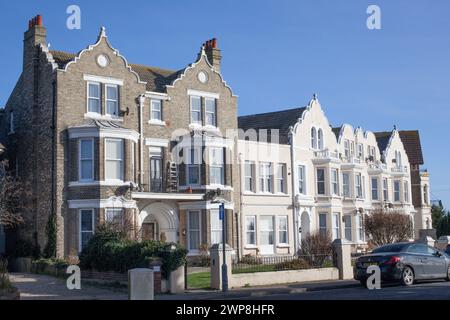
pixel 407 276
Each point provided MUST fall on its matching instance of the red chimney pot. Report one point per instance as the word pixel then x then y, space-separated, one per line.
pixel 214 43
pixel 39 20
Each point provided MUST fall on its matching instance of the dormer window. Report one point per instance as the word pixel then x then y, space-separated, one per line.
pixel 94 98
pixel 112 100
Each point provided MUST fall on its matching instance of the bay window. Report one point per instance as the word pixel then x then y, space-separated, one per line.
pixel 114 157
pixel 321 181
pixel 335 182
pixel 86 218
pixel 358 186
pixel 323 225
pixel 406 191
pixel 359 228
pixel 194 236
pixel 385 190
pixel 346 184
pixel 216 166
pixel 396 191
pixel 216 227
pixel 375 189
pixel 348 227
pixel 193 166
pixel 335 226
pixel 86 160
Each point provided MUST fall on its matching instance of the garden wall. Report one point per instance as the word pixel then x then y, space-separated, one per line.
pixel 281 277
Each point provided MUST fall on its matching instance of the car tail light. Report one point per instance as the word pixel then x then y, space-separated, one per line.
pixel 393 260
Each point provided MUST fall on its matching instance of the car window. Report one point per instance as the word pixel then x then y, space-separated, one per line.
pixel 418 248
pixel 431 251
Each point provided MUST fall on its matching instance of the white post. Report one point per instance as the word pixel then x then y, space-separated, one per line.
pixel 140 284
pixel 343 258
pixel 216 265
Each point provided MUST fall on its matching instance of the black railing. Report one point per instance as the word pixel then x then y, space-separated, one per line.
pixel 252 264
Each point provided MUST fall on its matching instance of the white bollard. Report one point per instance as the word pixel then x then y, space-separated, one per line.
pixel 140 284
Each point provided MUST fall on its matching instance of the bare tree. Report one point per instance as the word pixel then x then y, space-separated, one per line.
pixel 384 227
pixel 12 195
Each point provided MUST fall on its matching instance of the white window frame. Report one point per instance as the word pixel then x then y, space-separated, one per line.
pixel 321 182
pixel 358 186
pixel 80 230
pixel 302 179
pixel 335 226
pixel 397 193
pixel 122 161
pixel 153 109
pixel 347 148
pixel 279 218
pixel 323 230
pixel 250 178
pixel 346 190
pixel 385 189
pixel 359 228
pixel 265 177
pixel 190 165
pixel 406 191
pixel 107 99
pixel 314 138
pixel 80 160
pixel 199 230
pixel 375 189
pixel 347 228
pixel 360 151
pixel 320 139
pixel 191 98
pixel 247 231
pixel 89 97
pixel 334 179
pixel 218 165
pixel 214 114
pixel 219 231
pixel 281 180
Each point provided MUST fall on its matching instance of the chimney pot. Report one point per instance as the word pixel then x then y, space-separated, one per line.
pixel 39 20
pixel 214 43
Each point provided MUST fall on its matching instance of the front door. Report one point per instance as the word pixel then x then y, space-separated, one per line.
pixel 156 184
pixel 148 231
pixel 267 235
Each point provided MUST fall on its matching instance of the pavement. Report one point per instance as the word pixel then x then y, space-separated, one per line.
pixel 42 287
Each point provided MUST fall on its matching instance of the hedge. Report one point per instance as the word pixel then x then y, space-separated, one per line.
pixel 109 250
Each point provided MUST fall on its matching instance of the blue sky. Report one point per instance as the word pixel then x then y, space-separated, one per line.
pixel 276 54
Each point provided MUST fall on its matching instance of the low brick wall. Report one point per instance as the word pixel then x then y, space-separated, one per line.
pixel 280 277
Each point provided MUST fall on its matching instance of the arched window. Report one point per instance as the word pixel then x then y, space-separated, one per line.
pixel 320 139
pixel 314 138
pixel 398 158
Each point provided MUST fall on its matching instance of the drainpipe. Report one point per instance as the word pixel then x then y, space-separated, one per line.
pixel 239 215
pixel 294 208
pixel 141 140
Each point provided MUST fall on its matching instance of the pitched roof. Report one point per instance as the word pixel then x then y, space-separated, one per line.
pixel 155 77
pixel 411 143
pixel 280 120
pixel 336 131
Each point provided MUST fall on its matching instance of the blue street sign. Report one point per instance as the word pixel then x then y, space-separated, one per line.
pixel 222 211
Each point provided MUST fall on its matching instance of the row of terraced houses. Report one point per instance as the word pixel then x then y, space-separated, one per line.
pixel 99 139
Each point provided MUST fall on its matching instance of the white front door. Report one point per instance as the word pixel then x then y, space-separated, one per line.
pixel 267 235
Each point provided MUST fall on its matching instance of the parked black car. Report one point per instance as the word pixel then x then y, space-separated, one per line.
pixel 405 262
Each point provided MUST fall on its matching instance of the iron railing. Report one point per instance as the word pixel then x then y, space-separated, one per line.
pixel 252 264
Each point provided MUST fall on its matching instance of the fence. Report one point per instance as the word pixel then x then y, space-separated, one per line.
pixel 252 264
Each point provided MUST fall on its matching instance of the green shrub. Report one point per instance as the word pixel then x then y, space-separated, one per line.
pixel 109 250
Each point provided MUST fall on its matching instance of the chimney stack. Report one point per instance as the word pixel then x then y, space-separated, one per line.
pixel 213 53
pixel 34 36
